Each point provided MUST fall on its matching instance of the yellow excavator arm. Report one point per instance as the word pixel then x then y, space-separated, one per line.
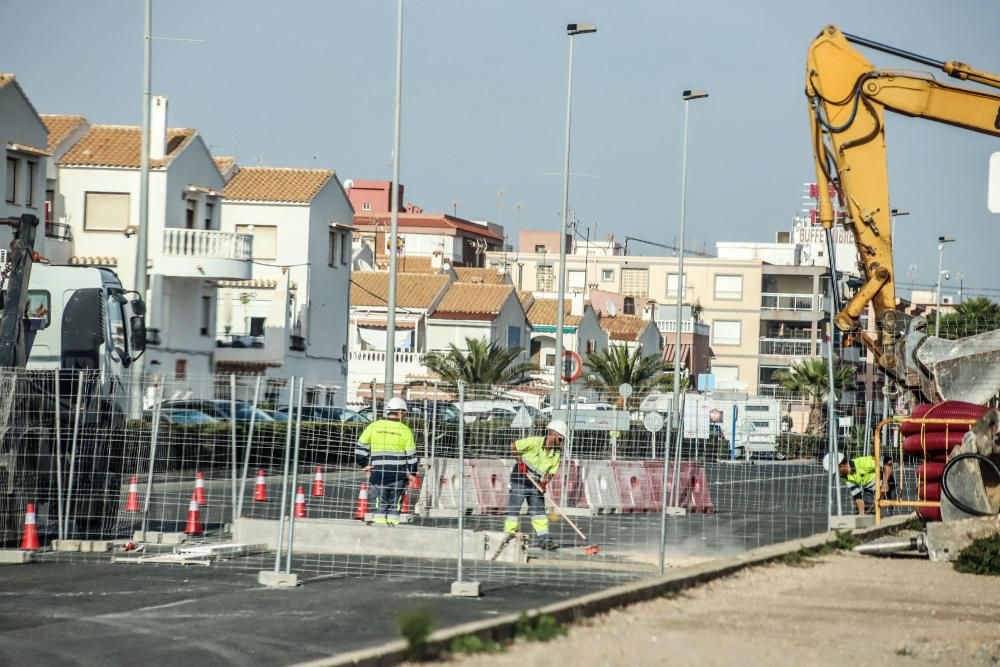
pixel 847 100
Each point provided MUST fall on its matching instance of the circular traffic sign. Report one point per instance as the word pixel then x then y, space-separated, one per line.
pixel 572 366
pixel 653 421
pixel 625 390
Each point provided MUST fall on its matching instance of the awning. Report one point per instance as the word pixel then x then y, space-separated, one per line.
pixel 375 339
pixel 668 354
pixel 382 324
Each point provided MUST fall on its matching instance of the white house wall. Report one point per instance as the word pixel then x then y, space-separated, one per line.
pixel 511 314
pixel 21 125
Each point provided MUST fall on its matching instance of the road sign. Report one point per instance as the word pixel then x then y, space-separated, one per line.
pixel 653 421
pixel 625 390
pixel 522 419
pixel 572 366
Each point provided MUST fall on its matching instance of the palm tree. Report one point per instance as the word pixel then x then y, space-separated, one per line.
pixel 810 379
pixel 484 363
pixel 609 370
pixel 974 316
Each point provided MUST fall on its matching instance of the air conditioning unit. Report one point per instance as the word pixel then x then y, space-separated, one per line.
pixel 947 300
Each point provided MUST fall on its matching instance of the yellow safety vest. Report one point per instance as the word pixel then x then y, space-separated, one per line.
pixel 540 461
pixel 863 471
pixel 388 447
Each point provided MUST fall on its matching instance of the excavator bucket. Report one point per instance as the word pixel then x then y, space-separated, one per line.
pixel 967 369
pixel 972 483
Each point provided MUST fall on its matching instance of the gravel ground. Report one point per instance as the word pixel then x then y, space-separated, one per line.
pixel 837 610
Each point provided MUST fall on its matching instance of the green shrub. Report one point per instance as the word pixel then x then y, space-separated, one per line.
pixel 468 644
pixel 541 628
pixel 416 626
pixel 980 557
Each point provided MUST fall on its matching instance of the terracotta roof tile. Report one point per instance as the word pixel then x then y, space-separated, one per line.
pixel 118 146
pixel 413 290
pixel 543 313
pixel 526 298
pixel 485 276
pixel 5 79
pixel 471 299
pixel 226 165
pixel 273 184
pixel 624 327
pixel 60 127
pixel 408 264
pixel 369 222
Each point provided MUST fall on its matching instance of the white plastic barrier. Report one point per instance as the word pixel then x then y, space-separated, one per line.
pixel 600 488
pixel 439 491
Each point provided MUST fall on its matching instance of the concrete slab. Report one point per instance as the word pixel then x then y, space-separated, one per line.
pixel 851 522
pixel 345 536
pixel 465 589
pixel 66 545
pixel 945 540
pixel 15 556
pixel 277 579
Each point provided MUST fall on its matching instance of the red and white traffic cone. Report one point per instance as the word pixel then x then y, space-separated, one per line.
pixel 132 502
pixel 260 488
pixel 30 540
pixel 361 509
pixel 199 490
pixel 318 483
pixel 194 526
pixel 405 506
pixel 300 504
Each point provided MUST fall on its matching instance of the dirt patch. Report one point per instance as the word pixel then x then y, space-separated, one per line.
pixel 837 610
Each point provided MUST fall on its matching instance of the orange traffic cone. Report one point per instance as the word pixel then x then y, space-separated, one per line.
pixel 361 509
pixel 30 540
pixel 194 526
pixel 199 490
pixel 300 504
pixel 260 489
pixel 318 483
pixel 405 508
pixel 132 502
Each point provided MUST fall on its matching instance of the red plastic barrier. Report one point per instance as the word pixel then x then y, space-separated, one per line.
pixel 575 496
pixel 942 410
pixel 655 470
pixel 634 488
pixel 933 442
pixel 701 495
pixel 693 492
pixel 929 472
pixel 492 479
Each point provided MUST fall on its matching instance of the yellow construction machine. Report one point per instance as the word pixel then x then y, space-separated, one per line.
pixel 848 98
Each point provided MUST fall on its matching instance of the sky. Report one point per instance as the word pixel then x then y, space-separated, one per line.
pixel 311 83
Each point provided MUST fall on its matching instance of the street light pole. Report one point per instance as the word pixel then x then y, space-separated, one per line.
pixel 893 214
pixel 937 296
pixel 572 29
pixel 961 286
pixel 390 329
pixel 688 96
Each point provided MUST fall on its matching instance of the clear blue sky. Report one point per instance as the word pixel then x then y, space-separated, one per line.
pixel 310 83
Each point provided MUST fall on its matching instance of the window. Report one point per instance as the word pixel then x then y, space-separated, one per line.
pixel 106 211
pixel 265 240
pixel 11 180
pixel 332 260
pixel 729 287
pixel 726 332
pixel 257 326
pixel 726 373
pixel 345 249
pixel 209 214
pixel 635 282
pixel 576 279
pixel 39 309
pixel 540 248
pixel 591 346
pixel 206 315
pixel 513 337
pixel 672 285
pixel 544 278
pixel 181 370
pixel 550 360
pixel 756 408
pixel 189 215
pixel 366 206
pixel 607 275
pixel 32 171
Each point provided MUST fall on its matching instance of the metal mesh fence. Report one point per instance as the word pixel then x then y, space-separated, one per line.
pixel 260 473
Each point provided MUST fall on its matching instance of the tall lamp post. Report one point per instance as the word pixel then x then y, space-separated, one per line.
pixel 390 328
pixel 937 296
pixel 688 95
pixel 893 214
pixel 572 29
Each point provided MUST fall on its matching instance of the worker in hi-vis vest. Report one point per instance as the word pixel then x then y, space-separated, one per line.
pixel 537 459
pixel 859 475
pixel 389 456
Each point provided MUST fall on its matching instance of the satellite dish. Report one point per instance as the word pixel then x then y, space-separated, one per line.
pixel 612 309
pixel 348 184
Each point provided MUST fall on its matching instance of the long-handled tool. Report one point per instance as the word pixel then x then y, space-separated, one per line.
pixel 590 549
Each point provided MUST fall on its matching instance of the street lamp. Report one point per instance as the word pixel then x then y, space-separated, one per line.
pixel 688 95
pixel 937 297
pixel 390 329
pixel 893 214
pixel 961 285
pixel 572 29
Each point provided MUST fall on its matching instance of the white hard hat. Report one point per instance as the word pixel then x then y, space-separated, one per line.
pixel 826 460
pixel 395 404
pixel 558 426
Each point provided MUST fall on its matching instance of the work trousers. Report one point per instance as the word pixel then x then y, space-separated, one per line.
pixel 520 490
pixel 388 496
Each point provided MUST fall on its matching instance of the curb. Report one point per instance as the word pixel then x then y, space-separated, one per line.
pixel 568 611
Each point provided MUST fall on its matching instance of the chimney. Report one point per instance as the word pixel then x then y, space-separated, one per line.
pixel 576 304
pixel 436 260
pixel 158 128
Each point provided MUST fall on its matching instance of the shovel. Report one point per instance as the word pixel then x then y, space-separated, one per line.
pixel 590 549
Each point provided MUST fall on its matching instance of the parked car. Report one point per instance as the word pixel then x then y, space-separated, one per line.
pixel 445 412
pixel 218 408
pixel 497 411
pixel 276 416
pixel 325 413
pixel 181 417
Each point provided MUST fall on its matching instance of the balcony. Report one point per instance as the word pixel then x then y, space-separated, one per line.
pixel 687 326
pixel 378 357
pixel 777 391
pixel 790 307
pixel 58 231
pixel 199 253
pixel 787 347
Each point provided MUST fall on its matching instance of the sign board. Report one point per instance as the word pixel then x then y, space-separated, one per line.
pixel 653 421
pixel 572 366
pixel 625 390
pixel 583 419
pixel 522 419
pixel 715 416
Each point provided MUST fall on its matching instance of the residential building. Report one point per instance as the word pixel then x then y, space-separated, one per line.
pixel 458 242
pixel 582 332
pixel 24 137
pixel 97 190
pixel 476 310
pixel 64 132
pixel 632 332
pixel 372 197
pixel 301 224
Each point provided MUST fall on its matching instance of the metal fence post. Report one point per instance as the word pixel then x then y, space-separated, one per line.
pixel 295 477
pixel 72 454
pixel 461 476
pixel 284 476
pixel 246 455
pixel 678 452
pixel 663 496
pixel 58 445
pixel 232 434
pixel 153 438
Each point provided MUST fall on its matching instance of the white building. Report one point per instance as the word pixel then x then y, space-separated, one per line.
pixel 97 190
pixel 300 220
pixel 633 332
pixel 24 138
pixel 582 332
pixel 64 132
